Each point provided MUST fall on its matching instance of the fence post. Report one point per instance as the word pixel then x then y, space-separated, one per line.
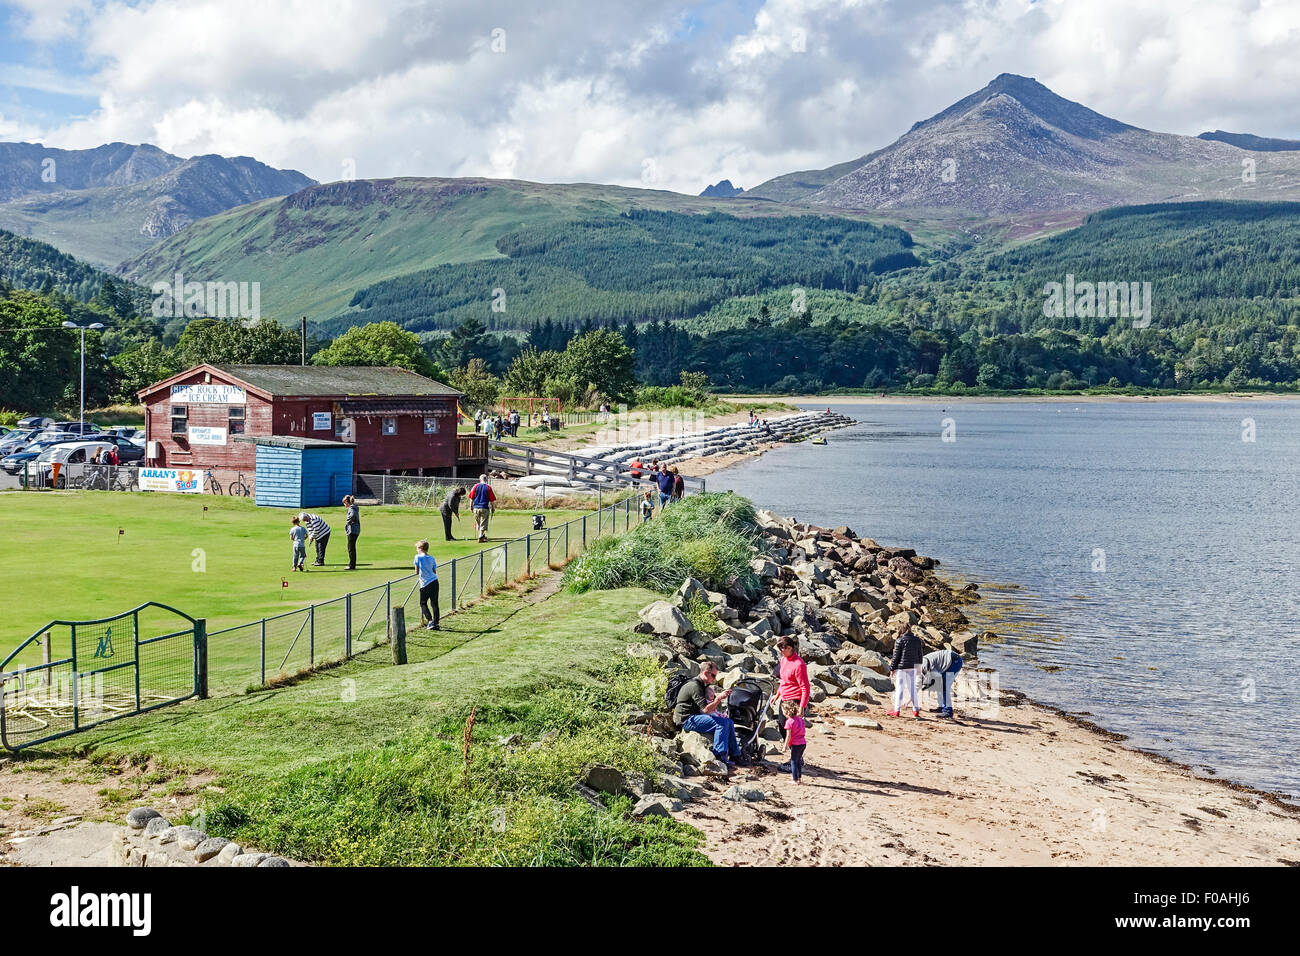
pixel 135 629
pixel 505 563
pixel 480 574
pixel 347 624
pixel 201 658
pixel 388 599
pixel 584 532
pixel 311 635
pixel 528 555
pixel 397 634
pixel 566 539
pixel 453 583
pixel 548 546
pixel 263 661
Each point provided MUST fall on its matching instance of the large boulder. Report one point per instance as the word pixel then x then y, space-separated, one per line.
pixel 605 779
pixel 765 569
pixel 845 623
pixel 696 748
pixel 666 619
pixel 692 590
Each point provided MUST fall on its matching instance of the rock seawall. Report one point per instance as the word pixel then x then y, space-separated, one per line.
pixel 844 597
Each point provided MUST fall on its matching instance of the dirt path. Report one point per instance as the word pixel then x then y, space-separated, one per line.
pixel 1016 785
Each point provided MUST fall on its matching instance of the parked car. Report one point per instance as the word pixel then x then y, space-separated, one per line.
pixel 128 453
pixel 35 421
pixel 66 454
pixel 13 463
pixel 16 440
pixel 76 428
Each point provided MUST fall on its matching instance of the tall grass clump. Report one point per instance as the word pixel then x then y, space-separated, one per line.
pixel 412 802
pixel 710 537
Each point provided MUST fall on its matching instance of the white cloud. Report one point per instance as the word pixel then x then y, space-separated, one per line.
pixel 589 91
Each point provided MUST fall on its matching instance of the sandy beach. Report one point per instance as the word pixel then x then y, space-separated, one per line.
pixel 1014 784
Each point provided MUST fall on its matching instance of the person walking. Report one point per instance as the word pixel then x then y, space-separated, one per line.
pixel 319 533
pixel 903 667
pixel 665 482
pixel 941 669
pixel 427 568
pixel 451 506
pixel 352 528
pixel 679 484
pixel 483 502
pixel 796 738
pixel 647 507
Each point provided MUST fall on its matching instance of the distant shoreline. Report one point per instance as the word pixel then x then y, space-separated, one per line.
pixel 1015 399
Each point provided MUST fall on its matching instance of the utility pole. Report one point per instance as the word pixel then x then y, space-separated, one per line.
pixel 82 328
pixel 304 340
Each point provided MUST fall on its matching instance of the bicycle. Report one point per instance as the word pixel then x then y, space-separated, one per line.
pixel 239 487
pixel 214 486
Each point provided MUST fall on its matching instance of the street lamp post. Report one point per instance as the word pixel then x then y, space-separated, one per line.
pixel 82 328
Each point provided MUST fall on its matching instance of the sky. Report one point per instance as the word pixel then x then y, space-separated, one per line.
pixel 668 95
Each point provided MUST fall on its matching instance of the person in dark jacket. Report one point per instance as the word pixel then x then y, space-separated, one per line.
pixel 352 528
pixel 665 482
pixel 679 484
pixel 696 711
pixel 903 667
pixel 451 506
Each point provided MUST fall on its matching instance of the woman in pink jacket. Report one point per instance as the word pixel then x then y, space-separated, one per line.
pixel 794 674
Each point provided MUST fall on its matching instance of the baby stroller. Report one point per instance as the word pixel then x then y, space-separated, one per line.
pixel 747 707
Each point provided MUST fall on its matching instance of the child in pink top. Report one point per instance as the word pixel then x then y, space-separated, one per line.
pixel 795 737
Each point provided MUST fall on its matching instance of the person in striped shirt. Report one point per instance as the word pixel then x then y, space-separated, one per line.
pixel 319 532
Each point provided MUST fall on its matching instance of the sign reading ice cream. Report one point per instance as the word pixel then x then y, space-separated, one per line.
pixel 186 481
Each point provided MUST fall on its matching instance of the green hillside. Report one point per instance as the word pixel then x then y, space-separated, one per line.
pixel 314 250
pixel 642 264
pixel 38 266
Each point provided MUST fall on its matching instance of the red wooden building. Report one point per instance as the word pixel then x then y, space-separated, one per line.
pixel 399 421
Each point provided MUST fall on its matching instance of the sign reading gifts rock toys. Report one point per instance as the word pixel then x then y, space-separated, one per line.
pixel 183 480
pixel 208 395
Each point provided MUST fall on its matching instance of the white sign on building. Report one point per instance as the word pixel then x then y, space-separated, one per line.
pixel 208 395
pixel 206 435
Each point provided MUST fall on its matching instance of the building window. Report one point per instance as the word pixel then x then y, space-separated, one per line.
pixel 236 417
pixel 180 418
pixel 431 426
pixel 388 426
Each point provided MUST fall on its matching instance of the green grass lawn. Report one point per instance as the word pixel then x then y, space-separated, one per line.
pixel 363 764
pixel 64 559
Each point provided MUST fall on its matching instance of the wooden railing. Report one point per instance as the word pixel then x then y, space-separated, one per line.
pixel 471 447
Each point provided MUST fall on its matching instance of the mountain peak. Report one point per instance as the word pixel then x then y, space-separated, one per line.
pixel 1054 110
pixel 722 190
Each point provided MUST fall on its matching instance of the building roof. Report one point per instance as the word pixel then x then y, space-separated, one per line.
pixel 353 381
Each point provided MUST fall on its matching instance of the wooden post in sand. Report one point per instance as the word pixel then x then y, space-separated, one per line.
pixel 397 634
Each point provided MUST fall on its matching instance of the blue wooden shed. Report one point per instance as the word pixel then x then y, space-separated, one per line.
pixel 301 472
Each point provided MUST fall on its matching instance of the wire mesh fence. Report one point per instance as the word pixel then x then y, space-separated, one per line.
pixel 275 648
pixel 73 675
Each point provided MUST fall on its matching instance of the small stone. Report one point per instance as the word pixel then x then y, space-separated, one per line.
pixel 156 826
pixel 656 805
pixel 274 861
pixel 862 722
pixel 740 794
pixel 138 818
pixel 208 848
pixel 228 853
pixel 248 859
pixel 189 838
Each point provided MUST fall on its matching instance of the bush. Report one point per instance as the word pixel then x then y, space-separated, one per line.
pixel 8 419
pixel 710 537
pixel 702 618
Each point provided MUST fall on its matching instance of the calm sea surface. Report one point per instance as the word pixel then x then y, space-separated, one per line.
pixel 1155 554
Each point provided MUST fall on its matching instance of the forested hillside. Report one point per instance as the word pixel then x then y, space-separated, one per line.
pixel 28 264
pixel 641 265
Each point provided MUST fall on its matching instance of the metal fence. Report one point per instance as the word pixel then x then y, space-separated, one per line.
pixel 275 648
pixel 73 675
pixel 89 477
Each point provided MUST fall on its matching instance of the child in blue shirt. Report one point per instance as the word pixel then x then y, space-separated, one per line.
pixel 298 534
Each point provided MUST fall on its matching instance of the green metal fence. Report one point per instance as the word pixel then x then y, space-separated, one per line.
pixel 96 671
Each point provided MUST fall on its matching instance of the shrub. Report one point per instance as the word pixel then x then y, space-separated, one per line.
pixel 702 618
pixel 711 537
